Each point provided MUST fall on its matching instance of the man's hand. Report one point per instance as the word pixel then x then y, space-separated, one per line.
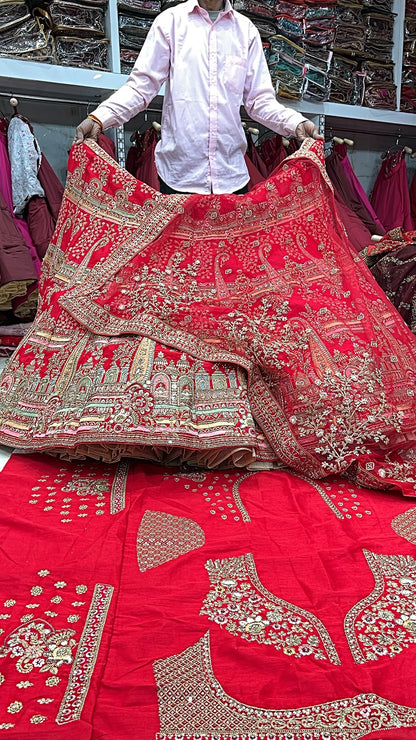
pixel 307 130
pixel 87 129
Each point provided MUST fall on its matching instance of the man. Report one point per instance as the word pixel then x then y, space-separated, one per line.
pixel 211 59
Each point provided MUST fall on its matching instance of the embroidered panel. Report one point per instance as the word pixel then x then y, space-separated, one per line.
pixel 405 525
pixel 221 492
pixel 49 664
pixel 163 537
pixel 80 490
pixel 193 705
pixel 384 622
pixel 240 603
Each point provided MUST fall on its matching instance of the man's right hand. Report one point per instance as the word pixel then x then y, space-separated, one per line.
pixel 87 129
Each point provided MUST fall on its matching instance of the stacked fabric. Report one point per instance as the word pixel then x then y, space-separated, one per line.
pixel 24 36
pixel 59 32
pixel 135 19
pixel 408 94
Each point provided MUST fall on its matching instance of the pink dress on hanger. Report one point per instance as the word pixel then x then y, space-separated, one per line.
pixel 390 198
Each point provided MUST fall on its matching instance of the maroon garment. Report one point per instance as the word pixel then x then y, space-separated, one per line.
pixel 413 200
pixel 272 152
pixel 341 149
pixel 52 186
pixel 255 175
pixel 41 224
pixel 357 231
pixel 255 158
pixel 16 266
pixel 349 195
pixel 107 144
pixel 141 158
pixel 390 198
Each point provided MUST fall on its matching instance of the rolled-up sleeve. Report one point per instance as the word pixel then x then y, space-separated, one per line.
pixel 259 97
pixel 149 73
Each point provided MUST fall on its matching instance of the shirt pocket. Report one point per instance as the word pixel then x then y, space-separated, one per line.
pixel 234 73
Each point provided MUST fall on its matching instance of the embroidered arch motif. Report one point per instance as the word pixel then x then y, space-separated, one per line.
pixel 384 622
pixel 240 603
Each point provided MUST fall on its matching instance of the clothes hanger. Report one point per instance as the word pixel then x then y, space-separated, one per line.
pixel 397 148
pixel 14 103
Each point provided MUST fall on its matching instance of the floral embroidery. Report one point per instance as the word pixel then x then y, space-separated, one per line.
pixel 10 602
pixel 37 719
pixel 14 707
pixel 43 573
pixel 60 584
pixel 39 645
pixel 2 678
pixel 384 623
pixel 24 684
pixel 6 726
pixel 163 537
pixel 73 618
pixel 56 599
pixel 81 589
pixel 44 700
pixel 52 681
pixel 240 603
pixel 36 590
pixel 193 704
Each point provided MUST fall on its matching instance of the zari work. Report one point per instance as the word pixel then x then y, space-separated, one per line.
pixel 384 623
pixel 405 525
pixel 214 330
pixel 188 689
pixel 92 646
pixel 239 602
pixel 163 537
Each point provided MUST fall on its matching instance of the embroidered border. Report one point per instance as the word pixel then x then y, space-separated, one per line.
pixel 85 659
pixel 118 489
pixel 190 694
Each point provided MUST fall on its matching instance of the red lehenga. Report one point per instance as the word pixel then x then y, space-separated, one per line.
pixel 216 330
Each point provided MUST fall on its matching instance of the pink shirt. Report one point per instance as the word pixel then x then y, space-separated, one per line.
pixel 210 69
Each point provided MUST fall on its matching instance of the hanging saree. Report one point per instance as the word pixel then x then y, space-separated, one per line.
pixel 218 330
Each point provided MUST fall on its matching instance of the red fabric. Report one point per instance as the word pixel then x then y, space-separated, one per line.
pixel 259 294
pixel 413 199
pixel 255 157
pixel 390 198
pixel 272 152
pixel 333 577
pixel 107 144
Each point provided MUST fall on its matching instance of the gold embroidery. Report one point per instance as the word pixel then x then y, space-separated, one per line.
pixel 37 719
pixel 52 681
pixel 163 537
pixel 6 726
pixel 10 602
pixel 24 684
pixel 85 659
pixel 405 525
pixel 81 589
pixel 2 678
pixel 14 707
pixel 384 622
pixel 240 603
pixel 193 704
pixel 39 645
pixel 43 573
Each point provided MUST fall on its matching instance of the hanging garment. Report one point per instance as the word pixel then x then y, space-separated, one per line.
pixel 16 267
pixel 6 192
pixel 272 152
pixel 25 158
pixel 358 189
pixel 167 324
pixel 357 232
pixel 392 261
pixel 255 175
pixel 141 158
pixel 413 199
pixel 254 156
pixel 342 183
pixel 107 144
pixel 390 198
pixel 52 187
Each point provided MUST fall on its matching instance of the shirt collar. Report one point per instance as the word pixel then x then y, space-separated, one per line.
pixel 193 4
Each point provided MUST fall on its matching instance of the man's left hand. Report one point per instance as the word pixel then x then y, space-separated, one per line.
pixel 307 130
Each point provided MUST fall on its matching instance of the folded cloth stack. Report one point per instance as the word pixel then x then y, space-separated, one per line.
pixel 135 19
pixel 23 36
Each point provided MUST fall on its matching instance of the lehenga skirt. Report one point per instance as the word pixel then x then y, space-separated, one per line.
pixel 213 330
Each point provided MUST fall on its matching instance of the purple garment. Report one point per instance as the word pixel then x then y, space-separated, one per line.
pixel 357 187
pixel 390 198
pixel 6 192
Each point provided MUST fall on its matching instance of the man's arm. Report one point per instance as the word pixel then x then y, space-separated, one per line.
pixel 260 102
pixel 146 78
